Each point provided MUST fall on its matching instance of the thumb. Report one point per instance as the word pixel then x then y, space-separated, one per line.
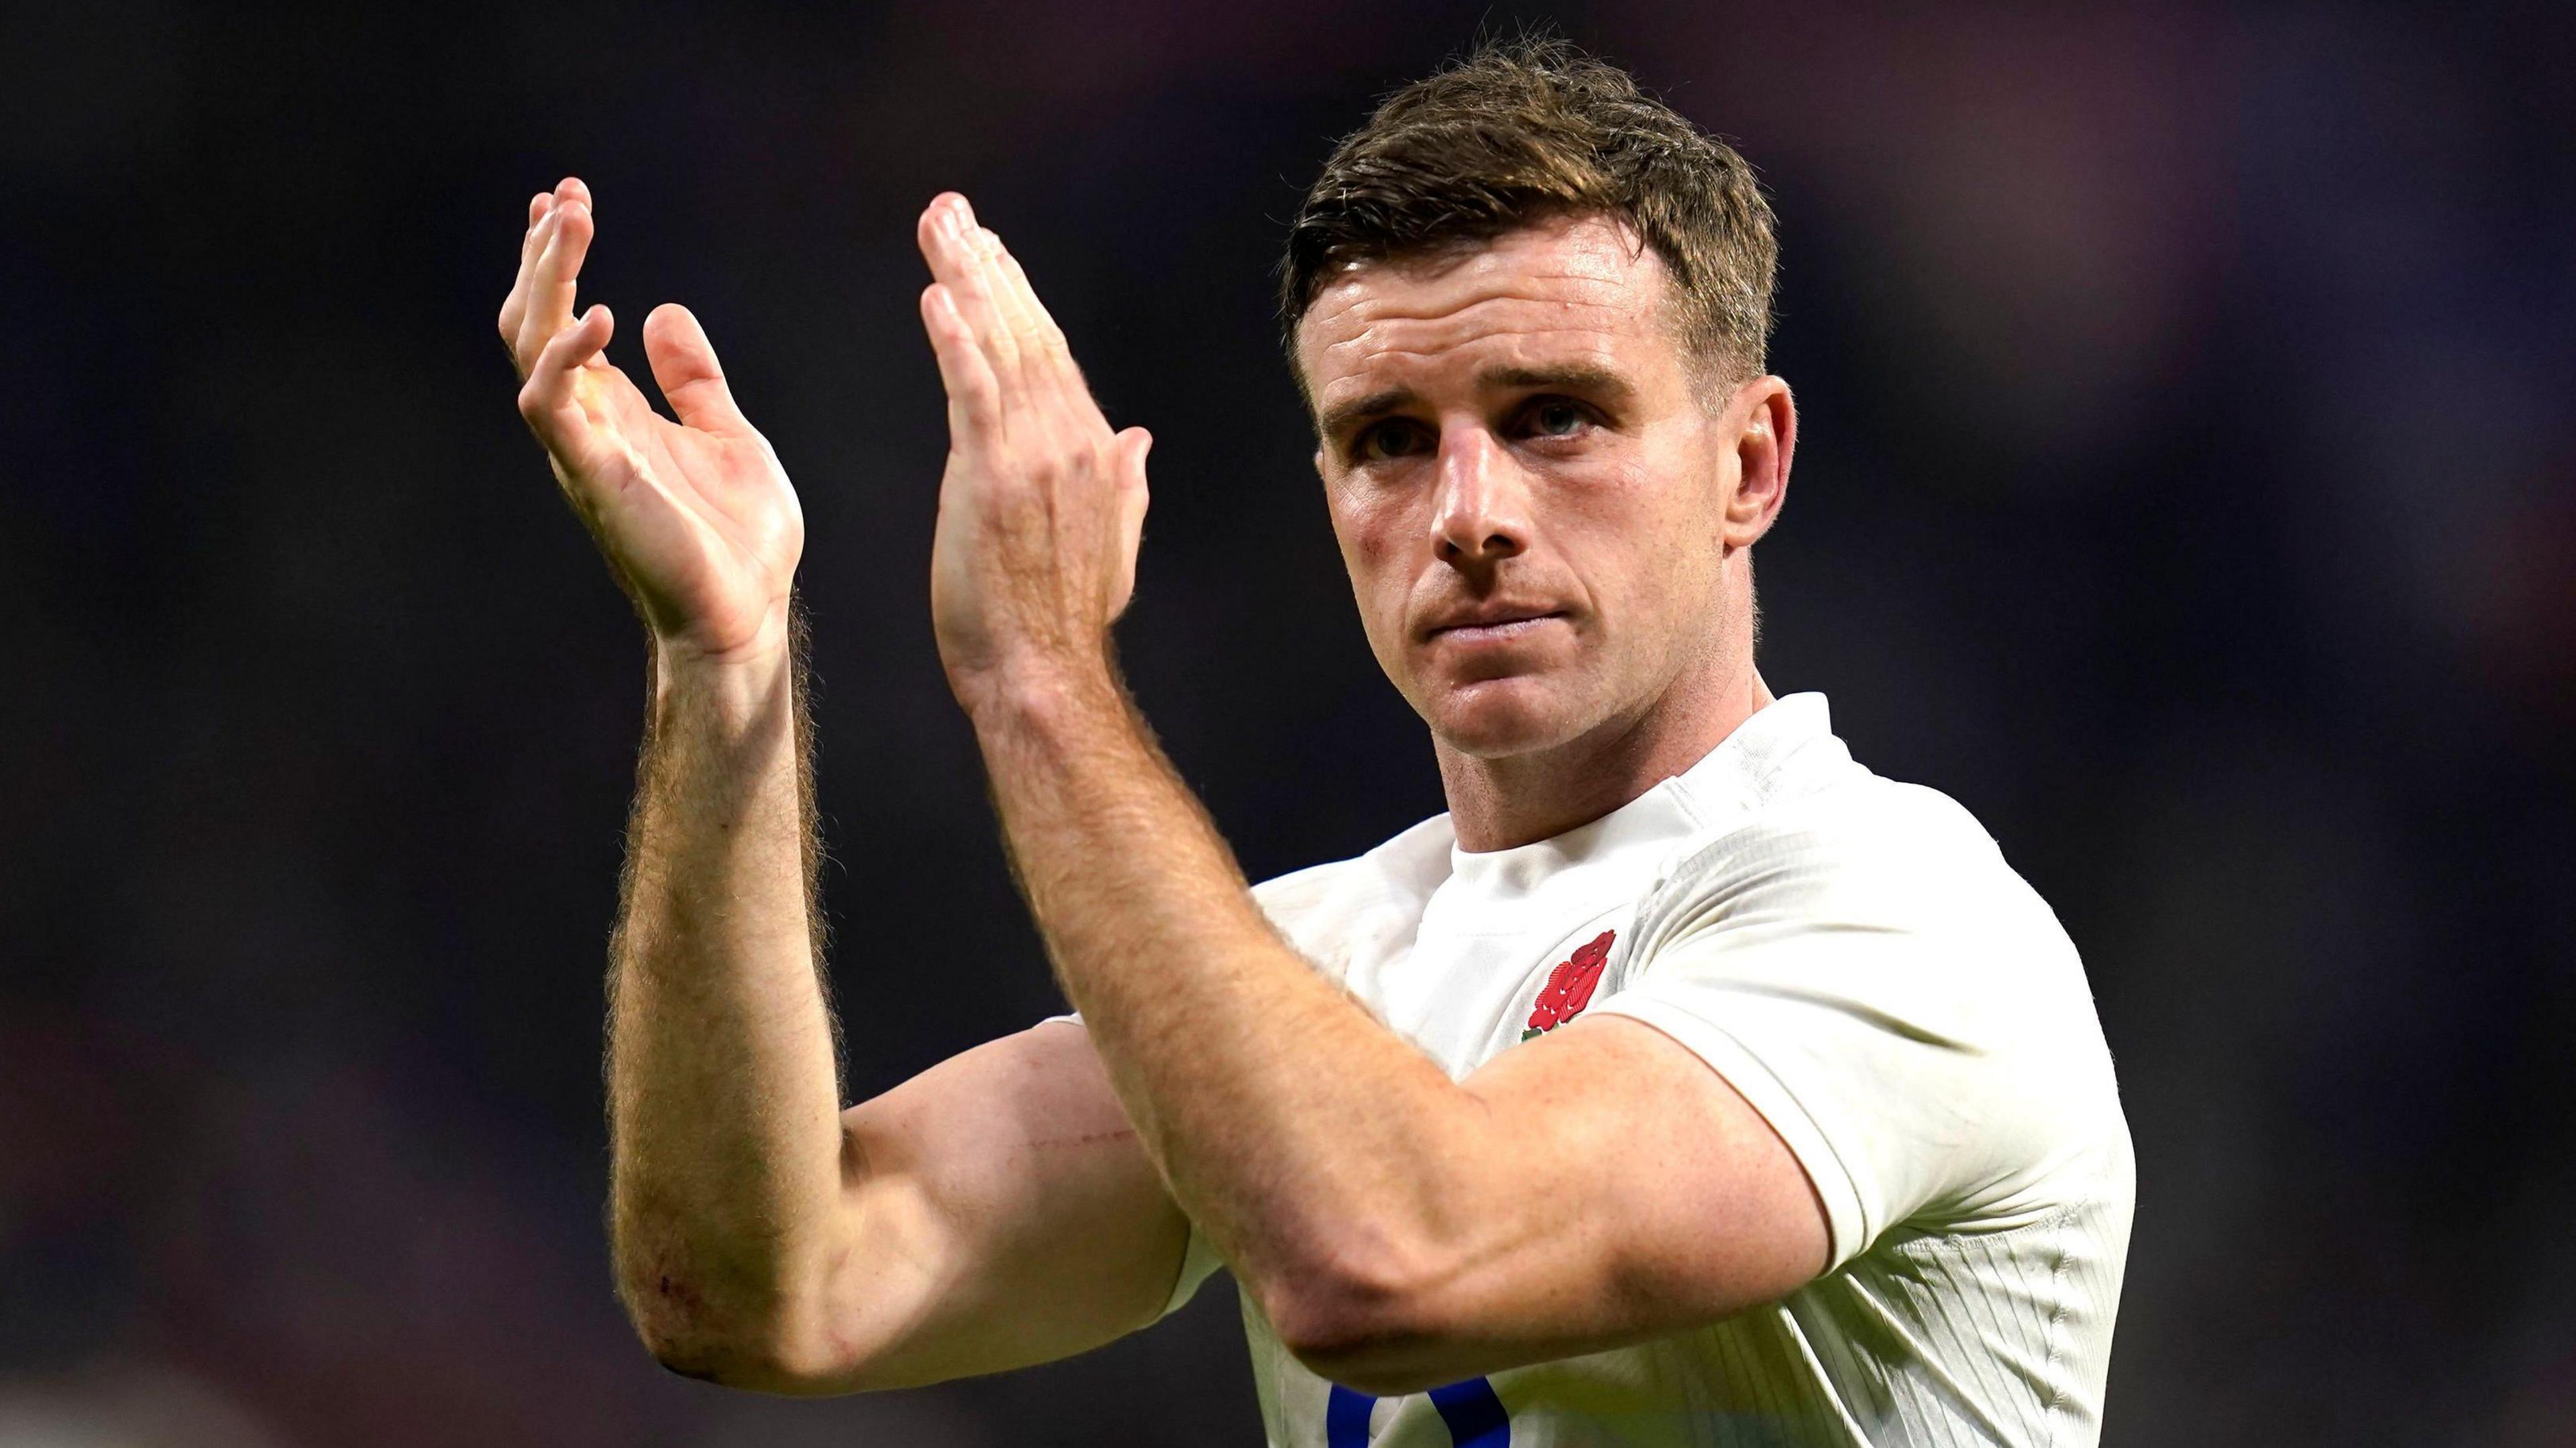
pixel 1133 497
pixel 1133 444
pixel 685 366
pixel 1133 494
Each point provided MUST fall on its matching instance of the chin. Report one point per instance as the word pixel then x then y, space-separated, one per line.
pixel 1498 718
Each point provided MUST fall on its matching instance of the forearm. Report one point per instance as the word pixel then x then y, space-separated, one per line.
pixel 1268 1097
pixel 1274 1107
pixel 723 1088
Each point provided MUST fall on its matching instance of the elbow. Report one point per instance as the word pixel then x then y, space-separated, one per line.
pixel 1365 1321
pixel 767 1348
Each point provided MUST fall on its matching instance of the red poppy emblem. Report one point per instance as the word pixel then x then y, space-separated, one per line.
pixel 1569 986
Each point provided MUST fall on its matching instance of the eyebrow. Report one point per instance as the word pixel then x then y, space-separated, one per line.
pixel 1569 377
pixel 1338 421
pixel 1566 377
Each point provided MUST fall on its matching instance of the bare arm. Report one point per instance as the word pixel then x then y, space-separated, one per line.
pixel 993 1211
pixel 1401 1230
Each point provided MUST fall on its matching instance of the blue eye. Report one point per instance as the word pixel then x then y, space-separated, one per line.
pixel 1556 418
pixel 1384 441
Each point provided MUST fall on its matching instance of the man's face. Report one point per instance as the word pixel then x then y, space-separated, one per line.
pixel 1530 491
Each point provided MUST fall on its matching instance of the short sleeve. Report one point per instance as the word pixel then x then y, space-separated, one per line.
pixel 1896 1003
pixel 1199 1262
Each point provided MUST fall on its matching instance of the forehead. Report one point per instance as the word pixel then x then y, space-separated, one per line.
pixel 1579 289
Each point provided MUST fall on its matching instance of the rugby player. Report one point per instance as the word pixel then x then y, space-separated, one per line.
pixel 1686 1082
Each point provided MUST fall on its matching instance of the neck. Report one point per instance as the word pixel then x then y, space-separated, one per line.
pixel 1495 804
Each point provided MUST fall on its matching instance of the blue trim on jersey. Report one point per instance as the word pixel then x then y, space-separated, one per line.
pixel 1346 1415
pixel 1475 1416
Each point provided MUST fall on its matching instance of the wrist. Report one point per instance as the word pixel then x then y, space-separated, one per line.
pixel 1041 695
pixel 736 641
pixel 742 684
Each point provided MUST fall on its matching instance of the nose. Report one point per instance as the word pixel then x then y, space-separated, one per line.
pixel 1481 515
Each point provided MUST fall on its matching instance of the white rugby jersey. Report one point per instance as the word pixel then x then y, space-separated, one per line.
pixel 1854 956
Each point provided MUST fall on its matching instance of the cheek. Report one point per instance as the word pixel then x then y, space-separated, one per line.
pixel 1643 548
pixel 1373 551
pixel 1372 521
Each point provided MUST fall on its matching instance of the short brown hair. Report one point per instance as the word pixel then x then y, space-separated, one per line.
pixel 1524 130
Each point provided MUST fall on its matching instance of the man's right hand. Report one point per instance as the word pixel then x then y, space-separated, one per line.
pixel 696 517
pixel 993 1211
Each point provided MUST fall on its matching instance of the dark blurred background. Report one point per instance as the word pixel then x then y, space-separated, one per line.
pixel 2188 486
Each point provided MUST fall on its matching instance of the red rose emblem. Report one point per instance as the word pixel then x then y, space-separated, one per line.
pixel 1569 987
pixel 1578 991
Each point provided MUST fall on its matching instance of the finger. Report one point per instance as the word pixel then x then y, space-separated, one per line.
pixel 514 312
pixel 558 270
pixel 514 307
pixel 1030 319
pixel 1041 341
pixel 541 206
pixel 980 300
pixel 523 340
pixel 974 394
pixel 557 275
pixel 1011 299
pixel 685 368
pixel 1008 342
pixel 549 399
pixel 949 243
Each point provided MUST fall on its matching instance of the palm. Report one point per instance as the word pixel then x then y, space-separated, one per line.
pixel 696 516
pixel 702 526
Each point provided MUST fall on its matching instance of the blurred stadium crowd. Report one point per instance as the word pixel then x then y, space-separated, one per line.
pixel 2188 486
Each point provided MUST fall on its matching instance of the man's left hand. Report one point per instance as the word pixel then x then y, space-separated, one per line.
pixel 1042 505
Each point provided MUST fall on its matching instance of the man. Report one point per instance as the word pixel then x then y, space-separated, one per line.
pixel 1685 1083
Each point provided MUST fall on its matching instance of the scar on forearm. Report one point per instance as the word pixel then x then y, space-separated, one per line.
pixel 1088 1138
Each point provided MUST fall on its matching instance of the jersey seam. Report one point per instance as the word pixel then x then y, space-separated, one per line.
pixel 2055 1413
pixel 2053 1410
pixel 1945 1239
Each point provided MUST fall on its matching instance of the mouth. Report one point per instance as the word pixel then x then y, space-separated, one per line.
pixel 1503 626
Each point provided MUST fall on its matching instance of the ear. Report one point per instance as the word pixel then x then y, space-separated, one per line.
pixel 1319 465
pixel 1763 421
